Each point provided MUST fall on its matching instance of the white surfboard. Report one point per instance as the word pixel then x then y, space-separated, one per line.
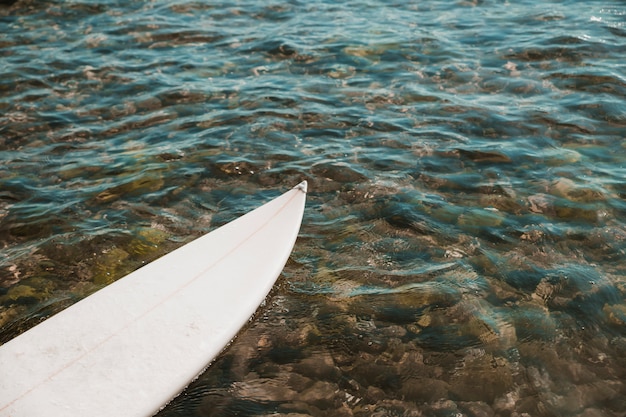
pixel 131 347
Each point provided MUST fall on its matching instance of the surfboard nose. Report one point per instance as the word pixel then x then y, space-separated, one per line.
pixel 302 186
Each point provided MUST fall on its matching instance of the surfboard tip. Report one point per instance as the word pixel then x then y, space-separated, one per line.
pixel 302 186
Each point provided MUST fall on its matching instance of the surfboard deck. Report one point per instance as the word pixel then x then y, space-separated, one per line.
pixel 131 347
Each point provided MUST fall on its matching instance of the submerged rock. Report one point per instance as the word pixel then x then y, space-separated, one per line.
pixel 483 378
pixel 423 390
pixel 319 366
pixel 564 187
pixel 341 173
pixel 615 314
pixel 30 290
pixel 110 266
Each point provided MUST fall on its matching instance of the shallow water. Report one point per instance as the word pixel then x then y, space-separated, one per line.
pixel 463 248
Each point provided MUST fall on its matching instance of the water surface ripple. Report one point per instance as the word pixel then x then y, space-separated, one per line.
pixel 463 249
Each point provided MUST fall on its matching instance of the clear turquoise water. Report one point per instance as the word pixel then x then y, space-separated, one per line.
pixel 464 242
